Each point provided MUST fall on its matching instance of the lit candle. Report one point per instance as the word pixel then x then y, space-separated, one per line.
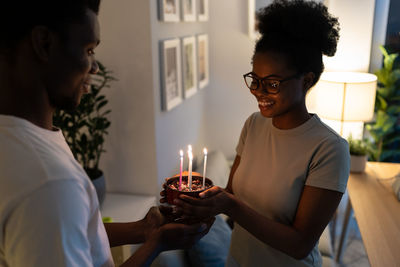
pixel 180 173
pixel 205 166
pixel 190 170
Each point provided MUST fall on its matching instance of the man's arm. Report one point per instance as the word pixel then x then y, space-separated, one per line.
pixel 156 234
pixel 117 233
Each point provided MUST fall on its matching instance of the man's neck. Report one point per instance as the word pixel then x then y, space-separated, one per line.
pixel 31 108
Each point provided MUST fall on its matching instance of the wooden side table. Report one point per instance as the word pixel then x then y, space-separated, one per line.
pixel 377 211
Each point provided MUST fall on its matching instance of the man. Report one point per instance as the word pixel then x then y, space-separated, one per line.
pixel 49 213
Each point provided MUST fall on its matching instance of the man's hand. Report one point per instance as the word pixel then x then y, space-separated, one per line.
pixel 182 236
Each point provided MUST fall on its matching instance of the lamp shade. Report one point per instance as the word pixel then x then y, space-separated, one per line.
pixel 346 96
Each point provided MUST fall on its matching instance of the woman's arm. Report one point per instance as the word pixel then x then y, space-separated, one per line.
pixel 315 209
pixel 235 165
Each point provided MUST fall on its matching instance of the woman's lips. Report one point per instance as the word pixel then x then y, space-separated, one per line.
pixel 265 104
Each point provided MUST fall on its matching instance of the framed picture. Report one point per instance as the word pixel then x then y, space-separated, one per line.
pixel 203 10
pixel 189 66
pixel 189 10
pixel 169 10
pixel 171 81
pixel 253 5
pixel 202 53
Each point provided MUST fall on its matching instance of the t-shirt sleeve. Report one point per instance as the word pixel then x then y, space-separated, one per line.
pixel 243 135
pixel 49 228
pixel 330 165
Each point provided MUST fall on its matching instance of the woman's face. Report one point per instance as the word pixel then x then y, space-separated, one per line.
pixel 291 97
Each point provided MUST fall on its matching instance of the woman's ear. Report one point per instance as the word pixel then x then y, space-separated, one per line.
pixel 308 80
pixel 42 39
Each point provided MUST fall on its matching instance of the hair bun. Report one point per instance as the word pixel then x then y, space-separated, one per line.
pixel 304 22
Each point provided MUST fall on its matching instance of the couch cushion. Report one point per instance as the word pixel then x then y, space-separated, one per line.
pixel 325 244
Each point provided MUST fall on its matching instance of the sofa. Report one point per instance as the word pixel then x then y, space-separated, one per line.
pixel 212 249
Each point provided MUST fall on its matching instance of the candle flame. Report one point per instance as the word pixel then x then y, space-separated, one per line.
pixel 205 151
pixel 189 147
pixel 181 152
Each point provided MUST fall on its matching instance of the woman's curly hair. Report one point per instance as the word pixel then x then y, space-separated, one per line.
pixel 302 30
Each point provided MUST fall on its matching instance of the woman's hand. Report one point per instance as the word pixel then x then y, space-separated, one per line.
pixel 211 202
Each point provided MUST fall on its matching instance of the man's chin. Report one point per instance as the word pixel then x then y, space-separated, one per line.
pixel 67 104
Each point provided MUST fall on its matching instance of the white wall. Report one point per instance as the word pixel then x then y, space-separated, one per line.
pixel 356 18
pixel 228 101
pixel 184 124
pixel 129 163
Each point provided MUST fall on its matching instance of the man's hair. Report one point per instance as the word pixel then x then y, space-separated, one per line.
pixel 301 30
pixel 19 17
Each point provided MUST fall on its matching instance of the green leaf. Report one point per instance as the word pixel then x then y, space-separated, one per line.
pixel 383 50
pixel 101 104
pixel 381 102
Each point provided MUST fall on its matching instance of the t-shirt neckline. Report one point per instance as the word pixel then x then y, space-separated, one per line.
pixel 9 120
pixel 297 130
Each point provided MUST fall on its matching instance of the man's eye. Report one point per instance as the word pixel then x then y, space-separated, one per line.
pixel 91 52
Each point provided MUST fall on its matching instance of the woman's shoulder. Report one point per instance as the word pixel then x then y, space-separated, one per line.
pixel 327 137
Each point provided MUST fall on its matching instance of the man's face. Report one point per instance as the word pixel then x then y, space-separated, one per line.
pixel 72 62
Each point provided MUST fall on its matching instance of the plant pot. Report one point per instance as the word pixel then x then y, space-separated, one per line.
pixel 100 186
pixel 172 187
pixel 357 163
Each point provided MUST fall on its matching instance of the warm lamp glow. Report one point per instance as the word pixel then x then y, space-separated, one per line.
pixel 346 96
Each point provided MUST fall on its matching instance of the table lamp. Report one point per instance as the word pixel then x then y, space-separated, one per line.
pixel 345 97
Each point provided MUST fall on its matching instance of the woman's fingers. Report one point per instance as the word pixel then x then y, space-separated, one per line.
pixel 210 192
pixel 196 211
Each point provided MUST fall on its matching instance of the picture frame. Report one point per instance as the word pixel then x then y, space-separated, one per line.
pixel 189 66
pixel 254 7
pixel 203 60
pixel 171 79
pixel 203 10
pixel 188 9
pixel 169 10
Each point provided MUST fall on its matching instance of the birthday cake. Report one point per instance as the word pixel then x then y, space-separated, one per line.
pixel 174 187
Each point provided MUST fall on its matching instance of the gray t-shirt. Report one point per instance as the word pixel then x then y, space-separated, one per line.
pixel 274 167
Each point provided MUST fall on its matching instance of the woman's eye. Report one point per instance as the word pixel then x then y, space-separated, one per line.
pixel 91 52
pixel 273 84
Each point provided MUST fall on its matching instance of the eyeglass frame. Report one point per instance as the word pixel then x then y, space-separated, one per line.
pixel 260 81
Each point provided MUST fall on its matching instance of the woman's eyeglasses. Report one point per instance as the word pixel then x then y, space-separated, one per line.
pixel 270 85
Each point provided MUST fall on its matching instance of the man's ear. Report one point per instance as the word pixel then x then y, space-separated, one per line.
pixel 308 80
pixel 42 39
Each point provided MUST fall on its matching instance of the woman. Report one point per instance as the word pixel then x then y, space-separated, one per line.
pixel 291 170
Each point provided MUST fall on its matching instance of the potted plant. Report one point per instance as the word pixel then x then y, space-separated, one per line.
pixel 385 129
pixel 359 150
pixel 85 128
